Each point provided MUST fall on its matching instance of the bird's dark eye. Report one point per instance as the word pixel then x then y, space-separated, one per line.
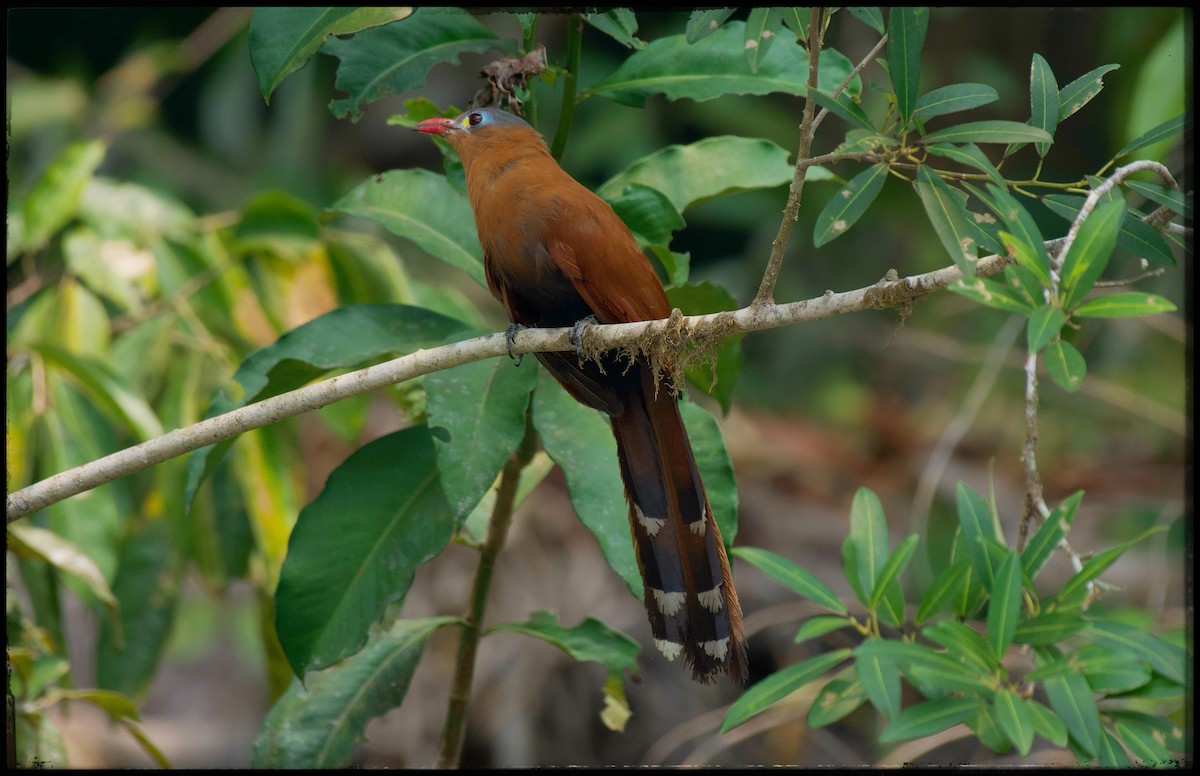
pixel 475 118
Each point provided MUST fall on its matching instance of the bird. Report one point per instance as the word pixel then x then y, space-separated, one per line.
pixel 556 255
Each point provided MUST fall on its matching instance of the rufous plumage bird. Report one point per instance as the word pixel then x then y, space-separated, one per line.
pixel 556 254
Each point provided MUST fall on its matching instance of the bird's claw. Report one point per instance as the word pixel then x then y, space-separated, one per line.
pixel 577 333
pixel 509 335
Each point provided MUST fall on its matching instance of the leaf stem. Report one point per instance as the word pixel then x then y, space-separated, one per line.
pixel 460 689
pixel 570 80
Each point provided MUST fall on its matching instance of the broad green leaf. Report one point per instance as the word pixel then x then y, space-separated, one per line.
pixel 761 30
pixel 1089 253
pixel 714 66
pixel 341 575
pixel 1136 236
pixel 970 155
pixel 947 211
pixel 421 206
pixel 1046 724
pixel 1167 659
pixel 1072 699
pixel 589 640
pixel 317 722
pixel 1168 129
pixel 707 297
pixel 1098 563
pixel 1124 305
pixel 1014 719
pixel 1048 628
pixel 906 37
pixel 482 406
pixel 779 685
pixel 929 717
pixel 691 174
pixel 1043 98
pixel 648 213
pixel 869 16
pixel 1065 365
pixel 580 441
pixel 848 205
pixel 1047 537
pixel 952 99
pixel 889 575
pixel 1080 92
pixel 993 294
pixel 963 644
pixel 881 681
pixel 392 59
pixel 55 196
pixel 815 627
pixel 791 575
pixel 701 24
pixel 837 699
pixel 1044 325
pixel 283 39
pixel 620 24
pixel 946 585
pixel 1175 200
pixel 994 131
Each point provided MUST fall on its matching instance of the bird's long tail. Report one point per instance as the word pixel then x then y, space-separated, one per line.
pixel 689 595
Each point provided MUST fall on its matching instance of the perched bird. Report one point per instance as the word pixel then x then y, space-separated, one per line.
pixel 556 254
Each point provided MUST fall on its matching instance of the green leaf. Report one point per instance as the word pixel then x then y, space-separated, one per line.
pixel 1145 745
pixel 836 700
pixel 1080 92
pixel 107 389
pixel 921 663
pixel 868 530
pixel 1172 199
pixel 889 575
pixel 1089 253
pixel 1071 698
pixel 1112 754
pixel 1014 719
pixel 707 297
pixel 1167 659
pixel 648 213
pixel 1046 724
pixel 714 66
pixel 994 131
pixel 1099 563
pixel 970 155
pixel 715 465
pixel 977 521
pixel 1025 240
pixel 423 207
pixel 482 405
pixel 326 601
pixel 947 211
pixel 30 541
pixel 55 196
pixel 1124 305
pixel 317 722
pixel 1168 129
pixel 992 294
pixel 881 681
pixel 815 627
pixel 390 60
pixel 869 16
pixel 798 19
pixel 701 24
pixel 848 204
pixel 845 108
pixel 792 576
pixel 620 24
pixel 691 174
pixel 930 717
pixel 953 99
pixel 850 568
pixel 761 30
pixel 1110 670
pixel 1043 98
pixel 946 585
pixel 779 685
pixel 1044 325
pixel 1049 534
pixel 1065 364
pixel 580 441
pixel 1136 236
pixel 1048 628
pixel 906 37
pixel 589 640
pixel 964 644
pixel 283 39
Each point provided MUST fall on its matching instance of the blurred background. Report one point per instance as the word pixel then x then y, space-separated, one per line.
pixel 907 406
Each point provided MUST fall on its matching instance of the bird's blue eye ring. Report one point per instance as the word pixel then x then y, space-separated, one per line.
pixel 475 118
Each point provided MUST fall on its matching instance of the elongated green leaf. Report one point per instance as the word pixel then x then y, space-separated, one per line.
pixel 1046 724
pixel 715 465
pixel 283 39
pixel 1177 201
pixel 970 155
pixel 906 37
pixel 881 681
pixel 1124 305
pixel 798 19
pixel 849 203
pixel 779 685
pixel 620 24
pixel 844 107
pixel 1112 754
pixel 1098 563
pixel 1071 698
pixel 1027 243
pixel 923 663
pixel 946 585
pixel 1044 325
pixel 30 541
pixel 929 717
pixel 1167 659
pixel 1144 744
pixel 714 66
pixel 316 723
pixel 1043 98
pixel 1110 670
pixel 1049 534
pixel 1012 715
pixel 815 627
pixel 947 211
pixel 889 575
pixel 850 568
pixel 589 640
pixel 1080 92
pixel 1065 364
pixel 868 530
pixel 963 644
pixel 691 174
pixel 994 131
pixel 1089 253
pixel 108 390
pixel 977 523
pixel 392 59
pixel 761 30
pixel 326 601
pixel 952 99
pixel 1136 236
pixel 421 206
pixel 1048 628
pixel 837 699
pixel 1163 131
pixel 54 198
pixel 791 575
pixel 701 24
pixel 993 294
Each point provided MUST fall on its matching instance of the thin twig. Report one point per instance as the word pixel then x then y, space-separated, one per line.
pixel 862 65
